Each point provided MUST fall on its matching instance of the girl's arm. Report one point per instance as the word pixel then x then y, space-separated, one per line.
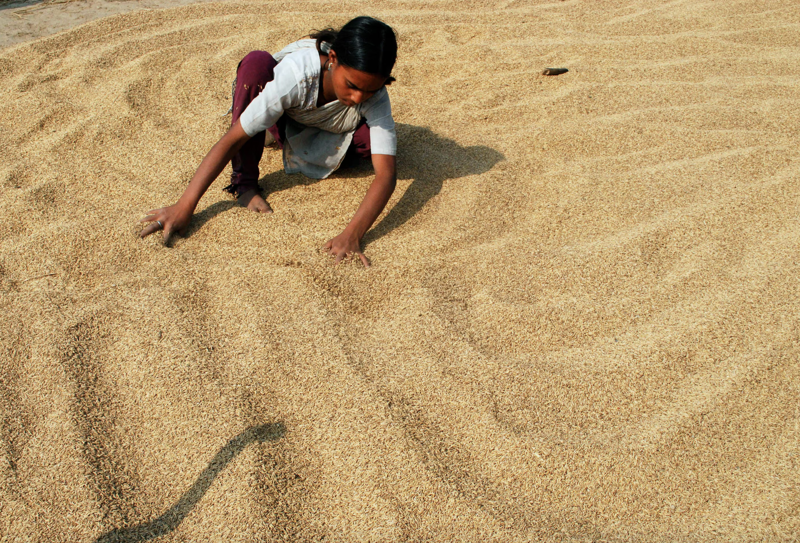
pixel 349 241
pixel 176 218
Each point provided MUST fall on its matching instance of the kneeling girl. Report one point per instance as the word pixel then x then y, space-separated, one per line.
pixel 324 101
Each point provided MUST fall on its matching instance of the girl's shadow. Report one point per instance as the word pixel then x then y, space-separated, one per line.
pixel 422 156
pixel 428 160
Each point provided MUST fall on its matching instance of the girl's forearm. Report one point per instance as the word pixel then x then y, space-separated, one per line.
pixel 373 203
pixel 212 165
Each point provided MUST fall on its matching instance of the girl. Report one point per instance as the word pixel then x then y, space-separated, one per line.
pixel 323 100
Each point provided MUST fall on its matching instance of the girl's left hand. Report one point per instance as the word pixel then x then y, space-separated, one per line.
pixel 345 244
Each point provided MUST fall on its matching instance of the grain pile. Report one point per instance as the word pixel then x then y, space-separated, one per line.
pixel 580 323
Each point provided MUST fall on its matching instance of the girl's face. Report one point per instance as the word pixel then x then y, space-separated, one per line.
pixel 352 86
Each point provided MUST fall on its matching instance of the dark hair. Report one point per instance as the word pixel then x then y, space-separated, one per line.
pixel 364 44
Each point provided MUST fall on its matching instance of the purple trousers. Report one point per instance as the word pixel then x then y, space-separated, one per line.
pixel 253 73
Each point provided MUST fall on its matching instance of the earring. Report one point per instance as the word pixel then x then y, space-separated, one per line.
pixel 330 67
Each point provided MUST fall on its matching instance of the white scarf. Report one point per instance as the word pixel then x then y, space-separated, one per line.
pixel 332 117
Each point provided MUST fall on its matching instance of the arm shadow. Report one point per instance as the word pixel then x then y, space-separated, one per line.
pixel 422 156
pixel 171 518
pixel 429 160
pixel 272 182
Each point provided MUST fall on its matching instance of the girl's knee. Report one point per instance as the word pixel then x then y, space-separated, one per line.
pixel 257 67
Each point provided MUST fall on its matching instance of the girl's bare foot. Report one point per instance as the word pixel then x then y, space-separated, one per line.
pixel 253 201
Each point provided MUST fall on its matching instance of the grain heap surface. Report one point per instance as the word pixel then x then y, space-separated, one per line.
pixel 580 323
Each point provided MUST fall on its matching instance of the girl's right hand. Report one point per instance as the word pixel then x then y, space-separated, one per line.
pixel 175 218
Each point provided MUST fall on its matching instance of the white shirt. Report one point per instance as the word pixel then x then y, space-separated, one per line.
pixel 312 151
